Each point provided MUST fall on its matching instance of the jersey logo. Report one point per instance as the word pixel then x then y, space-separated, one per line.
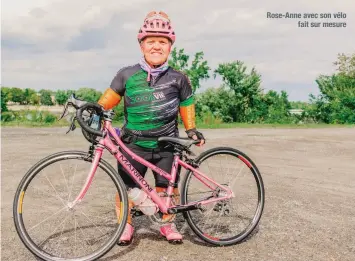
pixel 148 97
pixel 159 95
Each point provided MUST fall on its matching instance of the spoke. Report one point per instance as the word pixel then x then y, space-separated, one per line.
pixel 200 192
pixel 47 218
pixel 246 207
pixel 231 171
pixel 220 163
pixel 57 195
pixel 92 222
pixel 36 207
pixel 219 218
pixel 65 179
pixel 209 213
pixel 72 183
pixel 240 216
pixel 45 193
pixel 55 229
pixel 222 223
pixel 74 233
pixel 105 219
pixel 61 233
pixel 233 181
pixel 216 222
pixel 209 168
pixel 82 232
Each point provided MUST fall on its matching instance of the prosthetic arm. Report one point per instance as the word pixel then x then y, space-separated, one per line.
pixel 188 117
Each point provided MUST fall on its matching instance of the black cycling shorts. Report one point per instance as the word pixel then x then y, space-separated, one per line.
pixel 161 157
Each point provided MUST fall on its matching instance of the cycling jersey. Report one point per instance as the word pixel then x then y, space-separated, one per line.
pixel 151 108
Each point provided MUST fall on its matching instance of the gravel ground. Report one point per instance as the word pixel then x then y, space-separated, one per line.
pixel 308 175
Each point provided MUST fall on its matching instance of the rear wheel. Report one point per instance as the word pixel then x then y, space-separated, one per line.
pixel 54 230
pixel 225 222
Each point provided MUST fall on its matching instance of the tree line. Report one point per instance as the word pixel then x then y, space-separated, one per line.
pixel 240 98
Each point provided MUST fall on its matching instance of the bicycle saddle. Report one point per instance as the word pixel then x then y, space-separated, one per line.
pixel 186 142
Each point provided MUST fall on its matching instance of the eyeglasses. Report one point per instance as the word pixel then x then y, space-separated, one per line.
pixel 155 15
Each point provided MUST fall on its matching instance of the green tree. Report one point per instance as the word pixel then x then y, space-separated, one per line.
pixel 3 100
pixel 17 95
pixel 336 102
pixel 70 92
pixel 197 71
pixel 6 91
pixel 27 95
pixel 61 97
pixel 346 65
pixel 246 88
pixel 88 94
pixel 34 99
pixel 218 101
pixel 299 105
pixel 277 107
pixel 45 97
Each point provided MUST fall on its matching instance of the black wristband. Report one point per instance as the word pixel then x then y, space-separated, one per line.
pixel 191 132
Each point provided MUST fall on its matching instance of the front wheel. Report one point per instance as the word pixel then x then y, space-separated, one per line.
pixel 224 222
pixel 50 227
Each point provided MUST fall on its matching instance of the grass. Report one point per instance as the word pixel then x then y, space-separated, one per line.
pixel 30 124
pixel 271 125
pixel 64 123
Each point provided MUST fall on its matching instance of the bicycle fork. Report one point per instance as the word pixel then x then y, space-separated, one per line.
pixel 95 163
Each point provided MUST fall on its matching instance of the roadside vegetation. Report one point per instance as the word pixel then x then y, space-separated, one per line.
pixel 240 101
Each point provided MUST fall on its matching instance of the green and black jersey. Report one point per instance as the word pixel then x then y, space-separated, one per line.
pixel 151 108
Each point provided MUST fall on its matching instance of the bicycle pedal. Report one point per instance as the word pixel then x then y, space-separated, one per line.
pixel 137 213
pixel 124 243
pixel 175 242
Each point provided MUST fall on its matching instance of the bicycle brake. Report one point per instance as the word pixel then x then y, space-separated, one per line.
pixel 191 162
pixel 90 153
pixel 72 126
pixel 190 153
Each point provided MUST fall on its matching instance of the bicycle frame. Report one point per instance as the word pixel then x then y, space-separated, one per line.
pixel 163 205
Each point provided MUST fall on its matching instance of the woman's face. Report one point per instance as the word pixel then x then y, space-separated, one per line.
pixel 156 50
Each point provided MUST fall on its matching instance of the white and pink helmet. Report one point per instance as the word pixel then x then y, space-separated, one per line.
pixel 156 24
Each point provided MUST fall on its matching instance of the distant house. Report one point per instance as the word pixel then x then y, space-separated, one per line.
pixel 296 111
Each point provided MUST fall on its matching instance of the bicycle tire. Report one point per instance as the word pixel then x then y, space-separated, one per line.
pixel 33 171
pixel 261 197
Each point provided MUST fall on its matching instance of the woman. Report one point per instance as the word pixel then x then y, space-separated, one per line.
pixel 153 94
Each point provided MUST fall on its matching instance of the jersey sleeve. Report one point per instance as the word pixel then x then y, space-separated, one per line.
pixel 118 83
pixel 187 106
pixel 186 94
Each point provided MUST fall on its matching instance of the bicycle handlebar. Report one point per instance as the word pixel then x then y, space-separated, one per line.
pixel 81 122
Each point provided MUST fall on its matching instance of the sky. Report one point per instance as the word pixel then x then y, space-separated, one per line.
pixel 68 44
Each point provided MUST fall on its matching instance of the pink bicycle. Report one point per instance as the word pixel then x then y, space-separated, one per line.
pixel 64 207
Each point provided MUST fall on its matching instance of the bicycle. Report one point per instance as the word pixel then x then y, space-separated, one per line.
pixel 198 206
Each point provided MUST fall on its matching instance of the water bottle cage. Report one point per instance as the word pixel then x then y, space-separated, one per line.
pixel 142 201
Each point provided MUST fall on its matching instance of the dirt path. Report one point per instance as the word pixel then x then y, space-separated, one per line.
pixel 309 176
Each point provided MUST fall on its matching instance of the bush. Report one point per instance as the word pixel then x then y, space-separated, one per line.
pixel 209 119
pixel 7 116
pixel 28 116
pixel 336 101
pixel 46 98
pixel 49 118
pixel 3 101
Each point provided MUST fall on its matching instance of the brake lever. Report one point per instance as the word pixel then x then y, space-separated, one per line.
pixel 65 110
pixel 72 126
